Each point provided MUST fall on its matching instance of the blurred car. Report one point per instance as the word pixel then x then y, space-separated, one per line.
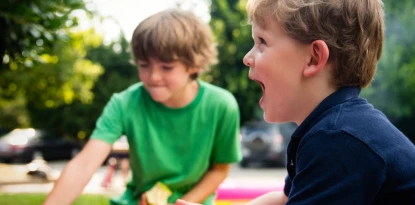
pixel 3 131
pixel 28 144
pixel 120 147
pixel 265 142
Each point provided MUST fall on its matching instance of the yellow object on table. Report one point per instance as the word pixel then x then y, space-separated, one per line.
pixel 158 194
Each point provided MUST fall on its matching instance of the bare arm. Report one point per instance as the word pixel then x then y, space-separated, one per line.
pixel 271 198
pixel 77 173
pixel 209 183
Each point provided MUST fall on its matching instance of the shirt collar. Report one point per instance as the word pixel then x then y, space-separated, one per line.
pixel 339 96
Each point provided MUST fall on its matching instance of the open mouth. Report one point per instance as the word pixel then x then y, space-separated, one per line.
pixel 262 85
pixel 263 89
pixel 259 82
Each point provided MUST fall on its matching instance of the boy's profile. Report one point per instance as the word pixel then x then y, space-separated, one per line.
pixel 178 136
pixel 312 58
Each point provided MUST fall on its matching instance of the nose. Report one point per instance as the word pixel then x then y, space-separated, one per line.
pixel 155 75
pixel 249 59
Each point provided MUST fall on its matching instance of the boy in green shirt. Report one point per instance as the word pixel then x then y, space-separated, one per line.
pixel 181 131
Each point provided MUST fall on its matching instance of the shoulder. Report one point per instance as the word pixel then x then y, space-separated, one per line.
pixel 218 95
pixel 362 120
pixel 336 147
pixel 355 117
pixel 359 121
pixel 133 91
pixel 126 99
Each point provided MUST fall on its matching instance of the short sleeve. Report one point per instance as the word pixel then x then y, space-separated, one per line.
pixel 334 167
pixel 226 148
pixel 109 126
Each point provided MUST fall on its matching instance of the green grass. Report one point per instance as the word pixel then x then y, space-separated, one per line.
pixel 37 199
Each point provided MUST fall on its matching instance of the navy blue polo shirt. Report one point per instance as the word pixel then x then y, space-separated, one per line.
pixel 348 153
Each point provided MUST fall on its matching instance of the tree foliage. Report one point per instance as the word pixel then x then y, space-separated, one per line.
pixel 68 79
pixel 61 78
pixel 78 119
pixel 393 88
pixel 43 62
pixel 394 84
pixel 233 37
pixel 30 27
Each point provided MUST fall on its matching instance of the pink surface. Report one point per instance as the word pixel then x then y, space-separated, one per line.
pixel 233 191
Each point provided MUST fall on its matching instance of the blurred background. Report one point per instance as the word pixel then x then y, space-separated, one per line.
pixel 63 59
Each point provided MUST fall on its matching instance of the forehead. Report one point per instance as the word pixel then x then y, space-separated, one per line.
pixel 155 60
pixel 266 22
pixel 257 29
pixel 269 27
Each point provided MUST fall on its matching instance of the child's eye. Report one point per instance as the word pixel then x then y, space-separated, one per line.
pixel 143 65
pixel 262 41
pixel 167 68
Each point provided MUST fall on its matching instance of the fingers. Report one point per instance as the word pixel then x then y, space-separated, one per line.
pixel 182 202
pixel 143 200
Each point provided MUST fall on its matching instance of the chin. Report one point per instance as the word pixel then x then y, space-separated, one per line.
pixel 268 118
pixel 159 99
pixel 273 118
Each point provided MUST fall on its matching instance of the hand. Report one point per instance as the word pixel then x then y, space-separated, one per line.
pixel 182 202
pixel 143 200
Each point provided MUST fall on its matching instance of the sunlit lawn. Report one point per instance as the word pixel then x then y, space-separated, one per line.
pixel 37 199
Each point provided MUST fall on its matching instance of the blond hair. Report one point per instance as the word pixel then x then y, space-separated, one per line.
pixel 175 35
pixel 352 29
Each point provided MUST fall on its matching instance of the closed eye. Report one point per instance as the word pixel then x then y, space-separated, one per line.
pixel 143 65
pixel 167 68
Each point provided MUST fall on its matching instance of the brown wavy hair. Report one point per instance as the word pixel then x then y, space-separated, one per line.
pixel 352 29
pixel 175 35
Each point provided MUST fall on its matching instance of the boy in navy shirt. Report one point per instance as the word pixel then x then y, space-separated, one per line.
pixel 312 58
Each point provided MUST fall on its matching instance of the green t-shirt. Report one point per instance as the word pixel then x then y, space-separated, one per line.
pixel 173 145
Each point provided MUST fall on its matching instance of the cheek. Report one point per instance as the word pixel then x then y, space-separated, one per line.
pixel 143 72
pixel 171 81
pixel 143 76
pixel 176 76
pixel 266 59
pixel 267 69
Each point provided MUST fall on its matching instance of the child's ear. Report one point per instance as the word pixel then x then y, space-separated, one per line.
pixel 193 70
pixel 319 55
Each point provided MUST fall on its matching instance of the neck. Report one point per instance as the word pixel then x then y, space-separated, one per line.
pixel 187 94
pixel 314 94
